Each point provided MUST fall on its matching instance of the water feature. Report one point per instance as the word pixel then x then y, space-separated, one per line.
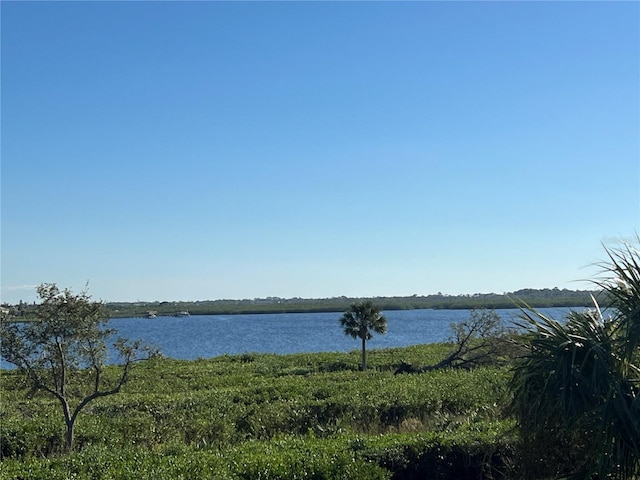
pixel 204 336
pixel 212 335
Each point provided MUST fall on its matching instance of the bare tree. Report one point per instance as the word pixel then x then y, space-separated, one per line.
pixel 476 341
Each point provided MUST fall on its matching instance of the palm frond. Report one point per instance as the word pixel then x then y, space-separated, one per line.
pixel 579 378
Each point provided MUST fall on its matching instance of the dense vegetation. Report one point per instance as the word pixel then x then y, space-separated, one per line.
pixel 268 416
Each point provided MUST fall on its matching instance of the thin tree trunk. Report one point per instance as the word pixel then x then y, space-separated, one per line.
pixel 69 421
pixel 69 435
pixel 364 354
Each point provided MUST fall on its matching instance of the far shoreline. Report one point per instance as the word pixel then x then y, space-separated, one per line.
pixel 526 298
pixel 534 298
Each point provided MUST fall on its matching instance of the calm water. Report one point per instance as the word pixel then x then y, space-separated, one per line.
pixel 213 335
pixel 205 336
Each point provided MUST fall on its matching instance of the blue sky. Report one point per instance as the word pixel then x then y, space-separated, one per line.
pixel 205 150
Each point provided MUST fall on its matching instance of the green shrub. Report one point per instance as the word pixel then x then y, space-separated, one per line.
pixel 483 450
pixel 285 459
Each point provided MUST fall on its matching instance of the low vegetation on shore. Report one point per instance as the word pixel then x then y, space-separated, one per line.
pixel 538 298
pixel 268 416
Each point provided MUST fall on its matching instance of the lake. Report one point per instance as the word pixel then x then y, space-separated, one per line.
pixel 205 336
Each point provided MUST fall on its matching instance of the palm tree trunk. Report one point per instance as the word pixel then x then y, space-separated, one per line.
pixel 364 354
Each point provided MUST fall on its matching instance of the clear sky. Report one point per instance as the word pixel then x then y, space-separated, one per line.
pixel 206 150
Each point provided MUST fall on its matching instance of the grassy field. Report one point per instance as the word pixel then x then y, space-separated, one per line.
pixel 254 416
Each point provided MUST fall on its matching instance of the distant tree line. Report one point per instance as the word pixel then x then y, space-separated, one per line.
pixel 537 298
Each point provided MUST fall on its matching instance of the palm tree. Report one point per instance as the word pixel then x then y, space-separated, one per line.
pixel 577 388
pixel 360 320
